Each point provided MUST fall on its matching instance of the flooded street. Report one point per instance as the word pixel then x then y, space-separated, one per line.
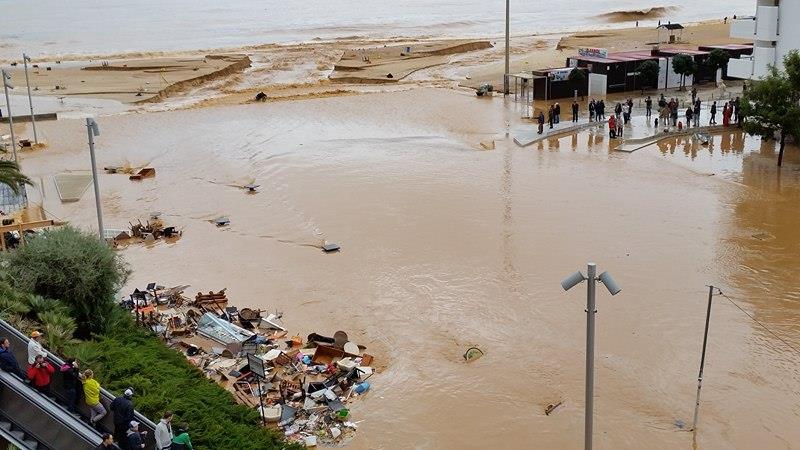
pixel 446 246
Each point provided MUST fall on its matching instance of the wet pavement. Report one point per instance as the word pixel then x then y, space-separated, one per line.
pixel 446 246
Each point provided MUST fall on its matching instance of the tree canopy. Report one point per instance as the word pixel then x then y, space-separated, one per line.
pixel 11 176
pixel 718 58
pixel 771 106
pixel 74 267
pixel 684 65
pixel 648 73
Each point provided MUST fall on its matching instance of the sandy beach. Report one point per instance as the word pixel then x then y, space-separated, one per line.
pixel 447 243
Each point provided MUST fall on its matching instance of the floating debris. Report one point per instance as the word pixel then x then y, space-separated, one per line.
pixel 330 247
pixel 551 407
pixel 472 354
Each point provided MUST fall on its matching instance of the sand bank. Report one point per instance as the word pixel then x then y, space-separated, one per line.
pixel 129 81
pixel 390 64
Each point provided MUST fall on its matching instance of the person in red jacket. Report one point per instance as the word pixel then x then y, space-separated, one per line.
pixel 39 373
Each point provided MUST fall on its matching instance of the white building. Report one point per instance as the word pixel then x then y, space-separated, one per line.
pixel 775 30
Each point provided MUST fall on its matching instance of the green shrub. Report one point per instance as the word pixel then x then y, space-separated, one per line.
pixel 163 379
pixel 75 267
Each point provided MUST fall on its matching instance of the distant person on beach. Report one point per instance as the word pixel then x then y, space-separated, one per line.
pixel 697 104
pixel 601 110
pixel 726 115
pixel 618 110
pixel 689 116
pixel 591 110
pixel 648 106
pixel 541 122
pixel 612 127
pixel 626 113
pixel 694 94
pixel 735 104
pixel 557 113
pixel 574 111
pixel 619 129
pixel 713 120
pixel 550 116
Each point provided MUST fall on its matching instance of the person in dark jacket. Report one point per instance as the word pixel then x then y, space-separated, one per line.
pixel 135 438
pixel 122 407
pixel 541 122
pixel 71 381
pixel 574 111
pixel 107 443
pixel 7 360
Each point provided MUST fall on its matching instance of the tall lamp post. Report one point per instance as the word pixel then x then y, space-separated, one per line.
pixel 6 86
pixel 614 289
pixel 93 130
pixel 505 73
pixel 25 60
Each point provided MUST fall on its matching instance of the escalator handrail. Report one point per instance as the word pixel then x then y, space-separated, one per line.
pixel 8 329
pixel 51 408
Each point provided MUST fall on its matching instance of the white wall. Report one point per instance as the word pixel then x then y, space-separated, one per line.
pixel 789 28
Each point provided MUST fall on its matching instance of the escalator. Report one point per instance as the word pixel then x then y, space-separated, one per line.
pixel 34 421
pixel 20 418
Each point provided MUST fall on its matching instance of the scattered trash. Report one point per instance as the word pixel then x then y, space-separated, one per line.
pixel 330 247
pixel 222 221
pixel 146 172
pixel 551 407
pixel 150 231
pixel 251 188
pixel 485 90
pixel 488 145
pixel 680 424
pixel 303 389
pixel 261 97
pixel 472 354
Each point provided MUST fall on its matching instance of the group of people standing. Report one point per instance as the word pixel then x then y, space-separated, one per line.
pixel 127 435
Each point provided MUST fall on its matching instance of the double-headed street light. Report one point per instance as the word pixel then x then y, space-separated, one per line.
pixel 613 288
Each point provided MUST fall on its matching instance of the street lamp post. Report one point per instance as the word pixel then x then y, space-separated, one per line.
pixel 93 130
pixel 25 59
pixel 507 68
pixel 614 289
pixel 6 86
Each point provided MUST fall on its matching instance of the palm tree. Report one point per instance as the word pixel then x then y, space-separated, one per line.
pixel 11 176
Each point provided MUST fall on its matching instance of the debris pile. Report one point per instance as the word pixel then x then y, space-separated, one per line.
pixel 301 388
pixel 152 230
pixel 134 173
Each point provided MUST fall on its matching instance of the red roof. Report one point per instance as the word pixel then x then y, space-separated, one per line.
pixel 730 46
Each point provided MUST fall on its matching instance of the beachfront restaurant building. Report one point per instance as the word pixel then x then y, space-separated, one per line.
pixel 554 83
pixel 618 72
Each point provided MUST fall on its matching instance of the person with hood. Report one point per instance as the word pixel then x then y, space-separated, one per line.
pixel 71 381
pixel 164 432
pixel 35 347
pixel 40 373
pixel 8 362
pixel 181 440
pixel 135 438
pixel 541 122
pixel 713 120
pixel 122 407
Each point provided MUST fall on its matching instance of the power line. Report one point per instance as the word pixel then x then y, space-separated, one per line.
pixel 758 322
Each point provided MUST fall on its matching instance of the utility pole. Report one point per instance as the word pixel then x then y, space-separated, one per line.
pixel 505 76
pixel 702 360
pixel 7 84
pixel 93 130
pixel 25 59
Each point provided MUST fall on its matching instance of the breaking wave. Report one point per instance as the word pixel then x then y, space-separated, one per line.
pixel 638 14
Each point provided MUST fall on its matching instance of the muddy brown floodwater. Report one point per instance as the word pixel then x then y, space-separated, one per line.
pixel 445 246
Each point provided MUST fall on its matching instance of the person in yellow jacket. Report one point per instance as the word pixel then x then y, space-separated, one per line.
pixel 91 390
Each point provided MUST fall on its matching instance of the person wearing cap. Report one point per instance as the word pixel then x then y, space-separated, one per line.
pixel 135 437
pixel 91 390
pixel 164 432
pixel 122 407
pixel 181 440
pixel 35 347
pixel 40 373
pixel 107 443
pixel 8 362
